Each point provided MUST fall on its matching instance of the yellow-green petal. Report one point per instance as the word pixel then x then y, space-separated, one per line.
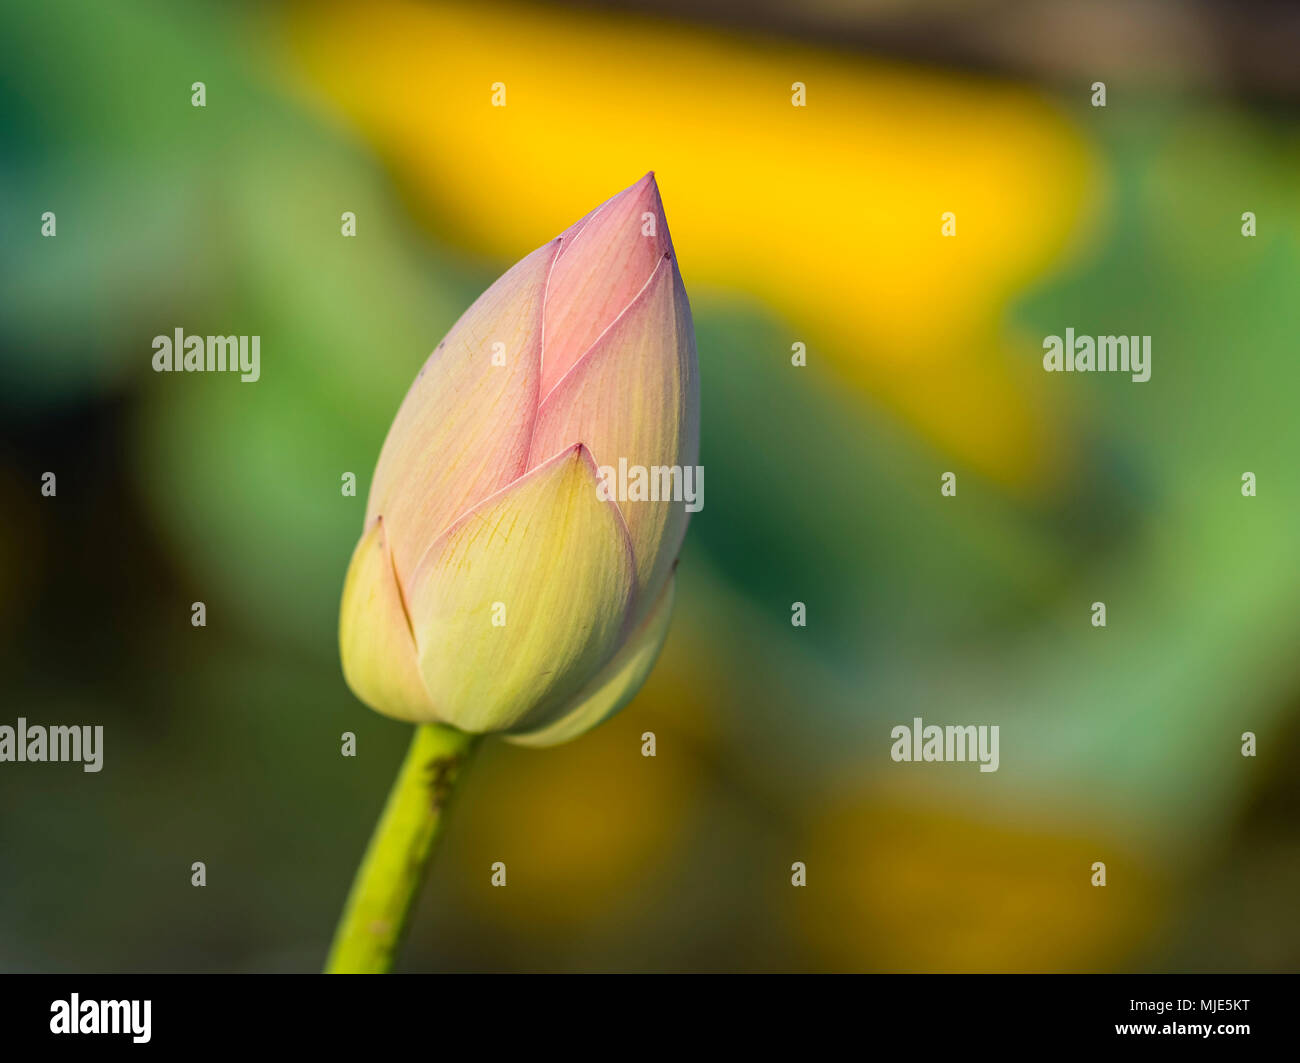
pixel 616 685
pixel 375 640
pixel 524 599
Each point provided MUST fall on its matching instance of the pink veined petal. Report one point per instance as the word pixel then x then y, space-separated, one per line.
pixel 599 271
pixel 567 237
pixel 463 430
pixel 635 397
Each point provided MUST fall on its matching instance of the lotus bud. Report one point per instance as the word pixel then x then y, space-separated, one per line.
pixel 501 584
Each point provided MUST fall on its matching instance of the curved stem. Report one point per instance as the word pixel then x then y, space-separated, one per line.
pixel 374 918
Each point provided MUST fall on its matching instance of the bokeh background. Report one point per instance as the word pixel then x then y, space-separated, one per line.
pixel 819 226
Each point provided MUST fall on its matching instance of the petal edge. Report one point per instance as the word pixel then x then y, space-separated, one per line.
pixel 618 684
pixel 376 646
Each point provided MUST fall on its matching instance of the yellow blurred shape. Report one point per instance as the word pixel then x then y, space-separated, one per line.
pixel 829 214
pixel 896 885
pixel 584 829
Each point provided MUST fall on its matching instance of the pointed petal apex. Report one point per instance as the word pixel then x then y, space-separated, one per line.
pixel 600 270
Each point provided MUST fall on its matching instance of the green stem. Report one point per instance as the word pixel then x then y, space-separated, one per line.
pixel 390 874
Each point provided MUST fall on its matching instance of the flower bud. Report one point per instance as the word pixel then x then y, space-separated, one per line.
pixel 502 583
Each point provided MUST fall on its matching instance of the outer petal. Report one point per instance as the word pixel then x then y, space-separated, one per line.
pixel 635 396
pixel 463 430
pixel 375 640
pixel 616 685
pixel 601 267
pixel 560 563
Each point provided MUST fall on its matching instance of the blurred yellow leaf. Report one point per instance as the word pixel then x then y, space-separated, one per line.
pixel 902 885
pixel 829 214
